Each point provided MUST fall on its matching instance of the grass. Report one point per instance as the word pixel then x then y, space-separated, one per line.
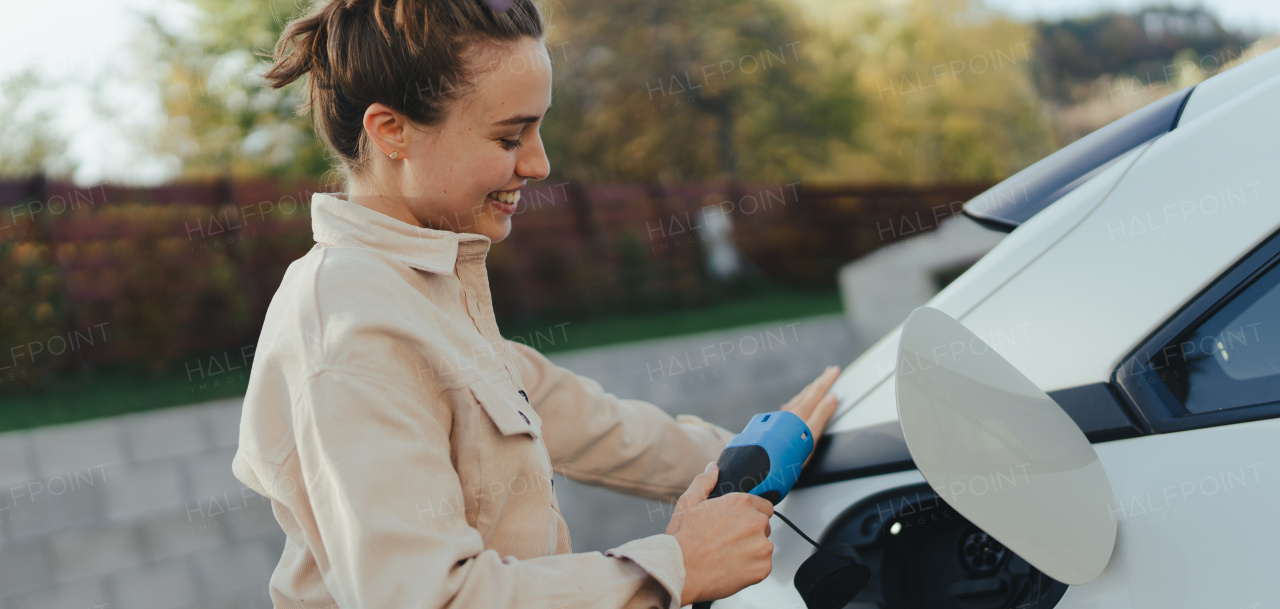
pixel 105 394
pixel 552 336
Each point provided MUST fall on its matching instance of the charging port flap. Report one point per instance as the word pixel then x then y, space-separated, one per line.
pixel 1002 452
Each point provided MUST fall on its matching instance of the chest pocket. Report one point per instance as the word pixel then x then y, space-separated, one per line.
pixel 507 409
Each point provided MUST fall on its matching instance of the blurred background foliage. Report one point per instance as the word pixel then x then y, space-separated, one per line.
pixel 694 90
pixel 1145 44
pixel 29 144
pixel 904 91
pixel 662 107
pixel 948 89
pixel 223 121
pixel 916 91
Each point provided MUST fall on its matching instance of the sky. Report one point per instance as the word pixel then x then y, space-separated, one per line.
pixel 76 43
pixel 1247 15
pixel 79 42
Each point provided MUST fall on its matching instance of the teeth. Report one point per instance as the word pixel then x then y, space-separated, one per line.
pixel 511 197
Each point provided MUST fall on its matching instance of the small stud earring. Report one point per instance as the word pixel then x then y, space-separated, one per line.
pixel 395 154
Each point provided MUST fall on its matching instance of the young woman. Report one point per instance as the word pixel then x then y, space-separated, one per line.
pixel 406 447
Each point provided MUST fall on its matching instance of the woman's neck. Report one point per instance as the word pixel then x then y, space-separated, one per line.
pixel 382 204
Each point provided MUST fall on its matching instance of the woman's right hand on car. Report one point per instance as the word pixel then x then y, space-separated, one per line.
pixel 724 540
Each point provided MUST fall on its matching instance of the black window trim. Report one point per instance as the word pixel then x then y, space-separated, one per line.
pixel 1156 413
pixel 1061 172
pixel 881 449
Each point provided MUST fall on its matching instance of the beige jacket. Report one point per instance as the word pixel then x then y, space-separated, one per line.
pixel 407 448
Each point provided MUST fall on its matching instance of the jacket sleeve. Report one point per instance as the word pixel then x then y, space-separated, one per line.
pixel 630 446
pixel 387 528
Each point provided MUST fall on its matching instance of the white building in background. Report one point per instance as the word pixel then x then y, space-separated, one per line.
pixel 881 289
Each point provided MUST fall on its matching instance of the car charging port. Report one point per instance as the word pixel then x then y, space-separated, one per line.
pixel 981 553
pixel 924 555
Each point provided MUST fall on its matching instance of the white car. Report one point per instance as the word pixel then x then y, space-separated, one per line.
pixel 1139 287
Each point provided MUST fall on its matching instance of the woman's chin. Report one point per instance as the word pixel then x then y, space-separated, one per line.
pixel 496 227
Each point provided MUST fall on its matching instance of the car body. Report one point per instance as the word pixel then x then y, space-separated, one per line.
pixel 1130 250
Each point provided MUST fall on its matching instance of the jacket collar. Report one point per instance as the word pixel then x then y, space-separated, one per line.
pixel 339 222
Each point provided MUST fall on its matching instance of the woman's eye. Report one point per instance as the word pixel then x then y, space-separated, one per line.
pixel 510 144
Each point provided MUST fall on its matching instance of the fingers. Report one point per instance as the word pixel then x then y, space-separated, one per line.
pixel 823 385
pixel 745 503
pixel 701 486
pixel 828 378
pixel 818 422
pixel 761 505
pixel 824 381
pixel 759 518
pixel 823 411
pixel 802 398
pixel 809 398
pixel 822 415
pixel 806 394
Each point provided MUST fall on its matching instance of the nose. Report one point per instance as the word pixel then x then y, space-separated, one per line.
pixel 533 163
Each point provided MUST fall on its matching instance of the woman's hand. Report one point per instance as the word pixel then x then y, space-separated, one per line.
pixel 814 405
pixel 724 540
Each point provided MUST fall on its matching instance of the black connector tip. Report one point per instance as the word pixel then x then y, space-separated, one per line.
pixel 827 582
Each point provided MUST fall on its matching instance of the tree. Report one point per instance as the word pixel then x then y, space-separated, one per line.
pixel 224 120
pixel 29 142
pixel 949 88
pixel 667 90
pixel 1146 45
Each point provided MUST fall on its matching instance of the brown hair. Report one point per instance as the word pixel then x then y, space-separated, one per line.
pixel 411 55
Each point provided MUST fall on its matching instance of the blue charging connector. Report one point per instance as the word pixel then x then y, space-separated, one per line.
pixel 765 459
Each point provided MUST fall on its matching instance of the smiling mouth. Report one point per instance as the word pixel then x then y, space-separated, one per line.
pixel 510 197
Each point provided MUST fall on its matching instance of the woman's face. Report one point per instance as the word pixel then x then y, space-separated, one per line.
pixel 465 174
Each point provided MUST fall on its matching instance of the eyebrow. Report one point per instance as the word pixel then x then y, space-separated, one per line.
pixel 522 119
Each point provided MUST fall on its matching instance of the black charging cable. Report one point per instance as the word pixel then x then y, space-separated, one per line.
pixel 808 539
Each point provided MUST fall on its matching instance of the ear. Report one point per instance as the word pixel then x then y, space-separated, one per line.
pixel 386 129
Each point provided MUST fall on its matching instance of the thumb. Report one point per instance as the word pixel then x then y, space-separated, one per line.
pixel 702 485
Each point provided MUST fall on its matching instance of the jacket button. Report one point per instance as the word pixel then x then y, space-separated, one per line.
pixel 524 395
pixel 526 419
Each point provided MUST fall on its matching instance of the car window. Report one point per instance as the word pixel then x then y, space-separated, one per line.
pixel 1232 359
pixel 1217 361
